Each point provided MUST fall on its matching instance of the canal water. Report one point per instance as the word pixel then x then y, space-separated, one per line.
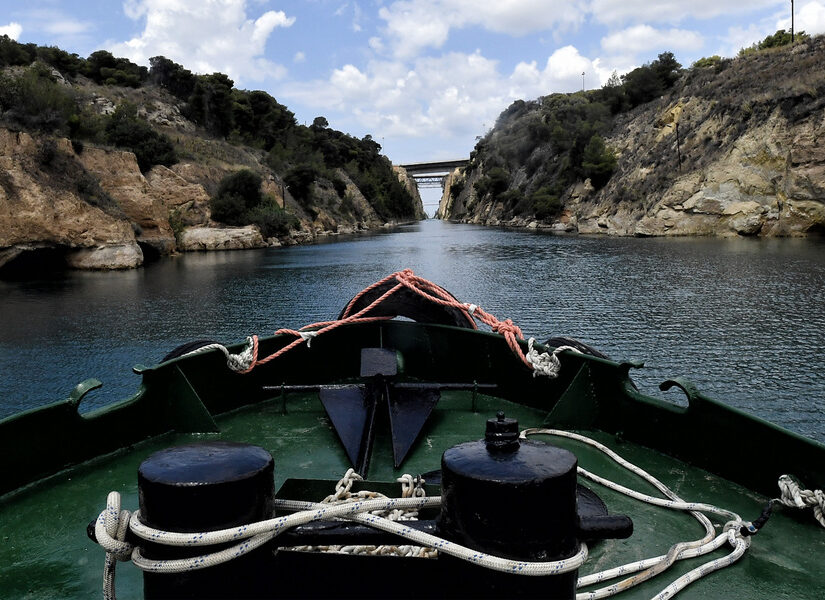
pixel 744 319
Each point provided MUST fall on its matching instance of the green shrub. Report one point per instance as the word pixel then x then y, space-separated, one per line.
pixel 598 162
pixel 125 130
pixel 34 101
pixel 271 219
pixel 348 204
pixel 707 62
pixel 239 201
pixel 229 209
pixel 340 186
pixel 493 183
pixel 776 40
pixel 103 67
pixel 299 182
pixel 545 203
pixel 243 184
pixel 456 187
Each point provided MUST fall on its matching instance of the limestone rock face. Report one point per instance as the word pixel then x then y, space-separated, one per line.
pixel 188 200
pixel 36 212
pixel 728 152
pixel 224 238
pixel 121 178
pixel 412 188
pixel 118 256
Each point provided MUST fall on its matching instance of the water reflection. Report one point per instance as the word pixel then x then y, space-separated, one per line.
pixel 742 318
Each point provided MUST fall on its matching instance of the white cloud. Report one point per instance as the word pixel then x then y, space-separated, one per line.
pixel 810 18
pixel 13 30
pixel 616 12
pixel 205 37
pixel 744 37
pixel 299 57
pixel 412 25
pixel 451 96
pixel 67 27
pixel 644 38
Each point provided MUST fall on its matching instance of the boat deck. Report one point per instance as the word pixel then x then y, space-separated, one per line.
pixel 785 558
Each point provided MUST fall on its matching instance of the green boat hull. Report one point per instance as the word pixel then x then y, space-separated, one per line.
pixel 58 464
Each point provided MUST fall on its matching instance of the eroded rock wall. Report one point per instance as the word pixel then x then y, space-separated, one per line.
pixel 40 212
pixel 736 151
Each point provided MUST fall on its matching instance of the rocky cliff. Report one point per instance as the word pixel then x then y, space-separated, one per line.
pixel 97 209
pixel 89 205
pixel 732 149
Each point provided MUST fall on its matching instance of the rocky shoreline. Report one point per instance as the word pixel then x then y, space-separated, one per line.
pixel 94 208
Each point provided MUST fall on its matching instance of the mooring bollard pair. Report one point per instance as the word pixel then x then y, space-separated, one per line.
pixel 501 496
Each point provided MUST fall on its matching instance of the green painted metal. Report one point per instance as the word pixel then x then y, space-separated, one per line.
pixel 58 465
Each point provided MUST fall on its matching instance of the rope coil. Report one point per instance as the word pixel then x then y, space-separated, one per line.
pixel 387 514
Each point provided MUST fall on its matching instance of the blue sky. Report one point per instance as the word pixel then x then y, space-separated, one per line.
pixel 423 77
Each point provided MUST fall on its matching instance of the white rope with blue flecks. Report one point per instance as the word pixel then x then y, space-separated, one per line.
pixel 649 568
pixel 255 535
pixel 112 523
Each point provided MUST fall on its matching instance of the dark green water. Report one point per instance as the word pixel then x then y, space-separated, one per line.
pixel 744 319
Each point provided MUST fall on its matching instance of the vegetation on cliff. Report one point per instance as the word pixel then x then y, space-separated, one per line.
pixel 103 100
pixel 539 148
pixel 654 137
pixel 239 201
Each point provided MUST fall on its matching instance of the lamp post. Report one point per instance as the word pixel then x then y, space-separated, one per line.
pixel 791 22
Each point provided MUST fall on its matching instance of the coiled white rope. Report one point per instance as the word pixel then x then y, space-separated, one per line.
pixel 112 523
pixel 649 568
pixel 263 531
pixel 546 363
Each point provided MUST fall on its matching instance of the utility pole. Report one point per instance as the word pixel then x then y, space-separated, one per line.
pixel 678 149
pixel 791 22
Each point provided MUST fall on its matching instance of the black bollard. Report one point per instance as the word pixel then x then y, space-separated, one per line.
pixel 206 487
pixel 514 499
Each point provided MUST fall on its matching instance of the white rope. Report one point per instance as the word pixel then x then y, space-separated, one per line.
pixel 387 514
pixel 110 532
pixel 793 495
pixel 546 363
pixel 237 362
pixel 649 568
pixel 256 534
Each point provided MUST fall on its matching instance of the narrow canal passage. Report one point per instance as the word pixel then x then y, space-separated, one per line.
pixel 743 318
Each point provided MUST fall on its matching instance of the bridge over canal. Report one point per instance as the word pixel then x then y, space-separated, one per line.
pixel 432 174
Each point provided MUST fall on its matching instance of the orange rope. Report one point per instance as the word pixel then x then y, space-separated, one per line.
pixel 406 279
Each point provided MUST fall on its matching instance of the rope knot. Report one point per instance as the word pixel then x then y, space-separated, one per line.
pixel 545 363
pixel 507 327
pixel 793 495
pixel 245 359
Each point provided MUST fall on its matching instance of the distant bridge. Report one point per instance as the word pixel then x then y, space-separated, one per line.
pixel 432 174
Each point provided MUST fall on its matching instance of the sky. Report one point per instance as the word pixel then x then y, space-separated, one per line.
pixel 425 78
